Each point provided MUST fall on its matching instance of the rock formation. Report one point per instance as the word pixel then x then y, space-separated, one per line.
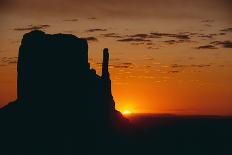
pixel 61 102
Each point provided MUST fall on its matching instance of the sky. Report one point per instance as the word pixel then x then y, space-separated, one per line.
pixel 166 56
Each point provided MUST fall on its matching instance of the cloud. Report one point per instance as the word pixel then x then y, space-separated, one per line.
pixel 32 27
pixel 222 33
pixel 124 65
pixel 71 20
pixel 178 36
pixel 91 39
pixel 111 35
pixel 170 41
pixel 177 66
pixel 207 21
pixel 152 48
pixel 134 40
pixel 137 39
pixel 8 60
pixel 137 43
pixel 150 43
pixel 127 63
pixel 140 35
pixel 154 35
pixel 174 71
pixel 96 30
pixel 206 47
pixel 92 18
pixel 227 30
pixel 201 65
pixel 225 44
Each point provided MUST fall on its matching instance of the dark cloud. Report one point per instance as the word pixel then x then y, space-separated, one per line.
pixel 146 38
pixel 160 35
pixel 134 40
pixel 170 41
pixel 32 27
pixel 225 44
pixel 137 39
pixel 120 66
pixel 227 30
pixel 96 30
pixel 201 65
pixel 152 48
pixel 91 39
pixel 127 63
pixel 181 36
pixel 207 21
pixel 71 20
pixel 92 18
pixel 174 71
pixel 137 43
pixel 147 66
pixel 124 65
pixel 178 36
pixel 206 47
pixel 222 34
pixel 111 35
pixel 177 66
pixel 8 60
pixel 141 35
pixel 150 43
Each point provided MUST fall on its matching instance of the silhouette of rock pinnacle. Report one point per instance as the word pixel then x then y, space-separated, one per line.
pixel 105 72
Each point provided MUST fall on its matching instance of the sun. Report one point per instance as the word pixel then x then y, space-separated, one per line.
pixel 126 112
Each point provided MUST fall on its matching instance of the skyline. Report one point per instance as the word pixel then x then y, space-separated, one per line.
pixel 162 59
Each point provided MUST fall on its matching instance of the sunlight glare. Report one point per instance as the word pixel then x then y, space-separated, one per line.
pixel 126 112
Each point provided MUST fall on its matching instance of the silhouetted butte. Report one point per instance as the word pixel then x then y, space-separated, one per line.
pixel 62 105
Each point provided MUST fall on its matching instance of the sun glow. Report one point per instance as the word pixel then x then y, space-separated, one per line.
pixel 126 112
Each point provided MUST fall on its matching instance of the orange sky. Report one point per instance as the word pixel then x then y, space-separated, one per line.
pixel 162 59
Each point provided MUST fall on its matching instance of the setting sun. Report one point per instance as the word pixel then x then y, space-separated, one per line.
pixel 126 112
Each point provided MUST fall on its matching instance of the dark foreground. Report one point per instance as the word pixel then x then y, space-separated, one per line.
pixel 146 134
pixel 169 134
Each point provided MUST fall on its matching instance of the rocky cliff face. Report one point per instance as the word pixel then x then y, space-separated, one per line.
pixel 59 97
pixel 54 73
